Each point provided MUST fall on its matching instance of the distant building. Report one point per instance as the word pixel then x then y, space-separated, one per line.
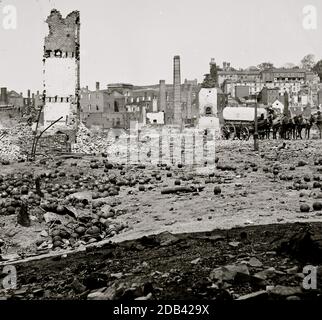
pixel 229 87
pixel 8 111
pixel 242 91
pixel 228 73
pixel 17 100
pixel 208 109
pixel 155 117
pixel 269 95
pixel 103 109
pixel 291 81
pixel 160 97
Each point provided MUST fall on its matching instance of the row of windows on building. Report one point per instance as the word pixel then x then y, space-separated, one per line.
pixel 97 108
pixel 57 99
pixel 133 99
pixel 115 122
pixel 59 54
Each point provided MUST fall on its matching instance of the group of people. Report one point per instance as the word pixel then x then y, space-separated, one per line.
pixel 286 127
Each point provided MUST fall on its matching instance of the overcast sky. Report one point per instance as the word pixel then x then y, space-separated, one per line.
pixel 134 41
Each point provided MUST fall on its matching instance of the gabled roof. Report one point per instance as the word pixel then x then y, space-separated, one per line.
pixel 116 94
pixel 13 93
pixel 278 101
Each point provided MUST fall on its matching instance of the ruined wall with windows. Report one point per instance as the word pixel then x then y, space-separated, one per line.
pixel 103 109
pixel 61 70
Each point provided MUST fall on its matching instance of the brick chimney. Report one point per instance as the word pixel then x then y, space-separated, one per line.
pixel 162 96
pixel 177 116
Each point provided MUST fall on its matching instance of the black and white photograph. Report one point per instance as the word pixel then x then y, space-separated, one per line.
pixel 161 151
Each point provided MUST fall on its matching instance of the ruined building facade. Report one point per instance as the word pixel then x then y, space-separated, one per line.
pixel 62 71
pixel 103 109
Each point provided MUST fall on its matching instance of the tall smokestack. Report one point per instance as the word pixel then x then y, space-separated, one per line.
pixel 97 86
pixel 177 117
pixel 162 96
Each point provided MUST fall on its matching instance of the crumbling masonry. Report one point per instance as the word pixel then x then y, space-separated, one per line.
pixel 62 71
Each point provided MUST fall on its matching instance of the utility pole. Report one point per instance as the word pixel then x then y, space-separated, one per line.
pixel 256 126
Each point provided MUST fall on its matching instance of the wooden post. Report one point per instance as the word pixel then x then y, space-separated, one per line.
pixel 256 128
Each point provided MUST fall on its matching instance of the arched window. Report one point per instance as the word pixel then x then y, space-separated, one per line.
pixel 58 53
pixel 208 110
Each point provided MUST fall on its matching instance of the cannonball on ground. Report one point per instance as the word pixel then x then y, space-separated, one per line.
pixel 217 190
pixel 304 208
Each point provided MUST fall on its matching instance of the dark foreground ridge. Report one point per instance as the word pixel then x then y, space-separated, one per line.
pixel 254 262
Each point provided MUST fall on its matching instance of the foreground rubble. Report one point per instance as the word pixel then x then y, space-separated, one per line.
pixel 251 263
pixel 75 202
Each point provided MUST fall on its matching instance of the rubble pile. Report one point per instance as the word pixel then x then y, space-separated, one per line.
pixel 244 264
pixel 90 142
pixel 11 141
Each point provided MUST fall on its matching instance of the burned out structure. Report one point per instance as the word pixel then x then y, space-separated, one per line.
pixel 62 71
pixel 120 103
pixel 103 109
pixel 56 110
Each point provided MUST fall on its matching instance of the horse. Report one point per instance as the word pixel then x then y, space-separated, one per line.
pixel 286 125
pixel 276 125
pixel 308 125
pixel 263 127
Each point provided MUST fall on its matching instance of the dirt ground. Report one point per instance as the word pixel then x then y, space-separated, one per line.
pixel 249 196
pixel 256 189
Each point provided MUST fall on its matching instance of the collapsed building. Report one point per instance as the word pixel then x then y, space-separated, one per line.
pixel 62 72
pixel 157 104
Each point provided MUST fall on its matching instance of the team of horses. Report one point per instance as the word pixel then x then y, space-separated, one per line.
pixel 286 127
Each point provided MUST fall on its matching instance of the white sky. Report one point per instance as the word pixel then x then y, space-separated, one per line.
pixel 134 41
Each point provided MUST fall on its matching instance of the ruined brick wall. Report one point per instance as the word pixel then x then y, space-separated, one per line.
pixel 61 69
pixel 62 32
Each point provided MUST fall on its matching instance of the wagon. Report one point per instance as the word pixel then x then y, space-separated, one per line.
pixel 239 122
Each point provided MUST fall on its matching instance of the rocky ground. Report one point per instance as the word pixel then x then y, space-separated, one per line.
pixel 251 263
pixel 83 201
